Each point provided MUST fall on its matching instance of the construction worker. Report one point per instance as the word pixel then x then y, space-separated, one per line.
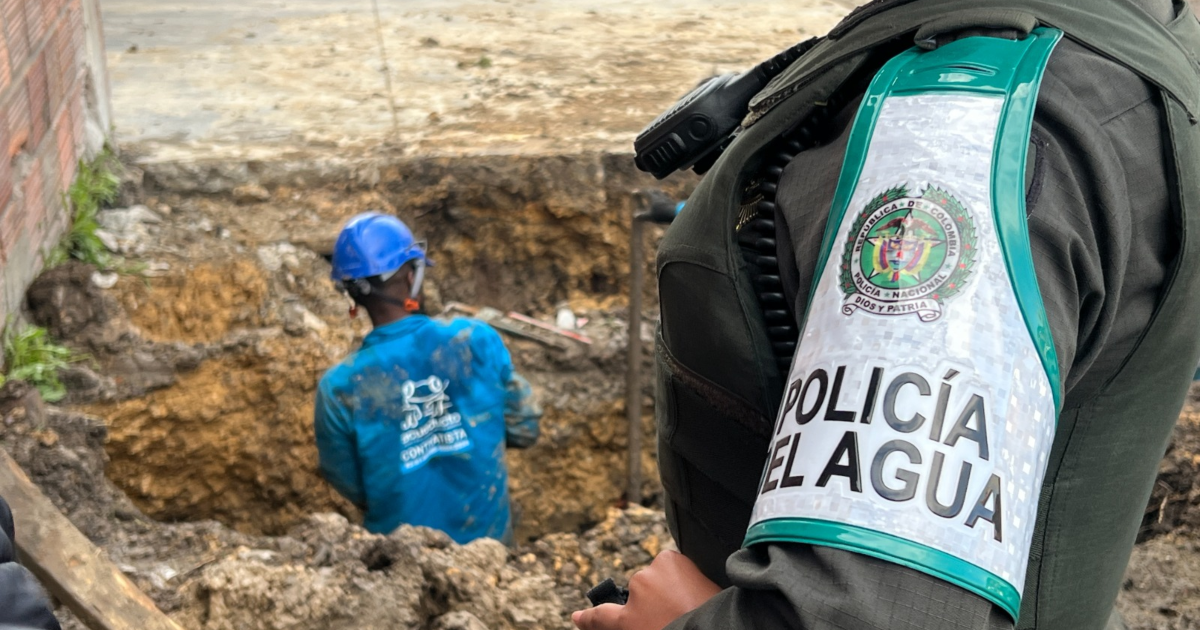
pixel 412 428
pixel 23 604
pixel 928 322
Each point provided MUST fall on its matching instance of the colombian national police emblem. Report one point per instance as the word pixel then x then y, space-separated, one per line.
pixel 906 254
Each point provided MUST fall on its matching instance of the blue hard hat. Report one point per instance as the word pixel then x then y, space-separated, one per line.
pixel 373 244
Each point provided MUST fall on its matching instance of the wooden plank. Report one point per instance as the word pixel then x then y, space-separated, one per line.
pixel 584 339
pixel 74 570
pixel 505 324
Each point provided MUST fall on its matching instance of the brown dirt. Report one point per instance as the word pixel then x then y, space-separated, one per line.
pixel 229 441
pixel 515 233
pixel 325 572
pixel 200 306
pixel 570 479
pixel 227 435
pixel 1162 585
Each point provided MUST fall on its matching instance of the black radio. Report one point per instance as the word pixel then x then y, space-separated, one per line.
pixel 696 129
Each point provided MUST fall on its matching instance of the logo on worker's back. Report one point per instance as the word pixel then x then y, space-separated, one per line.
pixel 906 254
pixel 430 427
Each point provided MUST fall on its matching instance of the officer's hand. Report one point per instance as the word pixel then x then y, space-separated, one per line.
pixel 658 595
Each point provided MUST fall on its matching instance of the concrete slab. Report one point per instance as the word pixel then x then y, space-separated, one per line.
pixel 263 79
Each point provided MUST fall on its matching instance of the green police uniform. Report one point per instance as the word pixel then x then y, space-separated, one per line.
pixel 1110 206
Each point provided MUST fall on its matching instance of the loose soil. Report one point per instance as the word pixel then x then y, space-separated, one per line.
pixel 325 572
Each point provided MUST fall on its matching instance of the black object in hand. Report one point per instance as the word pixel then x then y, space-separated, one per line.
pixel 607 592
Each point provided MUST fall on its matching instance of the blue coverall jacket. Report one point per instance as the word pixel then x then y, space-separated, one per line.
pixel 412 428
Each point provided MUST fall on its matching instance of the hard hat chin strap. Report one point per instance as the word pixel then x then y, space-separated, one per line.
pixel 418 279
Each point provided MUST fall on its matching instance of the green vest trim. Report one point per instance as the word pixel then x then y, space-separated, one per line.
pixel 977 66
pixel 892 549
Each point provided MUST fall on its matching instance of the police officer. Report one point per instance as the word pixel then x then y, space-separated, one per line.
pixel 945 329
pixel 412 427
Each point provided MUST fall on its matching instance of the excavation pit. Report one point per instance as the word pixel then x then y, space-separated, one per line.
pixel 238 279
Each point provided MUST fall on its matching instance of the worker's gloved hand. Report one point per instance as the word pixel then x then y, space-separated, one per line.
pixel 658 595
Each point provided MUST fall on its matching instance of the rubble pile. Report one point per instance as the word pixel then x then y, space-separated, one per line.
pixel 324 572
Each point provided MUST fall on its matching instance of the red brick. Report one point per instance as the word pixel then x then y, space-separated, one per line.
pixel 55 81
pixel 65 149
pixel 6 175
pixel 5 69
pixel 68 67
pixel 4 211
pixel 31 190
pixel 75 100
pixel 6 185
pixel 39 105
pixel 74 23
pixel 12 19
pixel 17 122
pixel 36 22
pixel 10 224
pixel 72 15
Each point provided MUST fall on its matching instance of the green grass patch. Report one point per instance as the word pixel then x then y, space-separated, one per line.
pixel 96 185
pixel 31 356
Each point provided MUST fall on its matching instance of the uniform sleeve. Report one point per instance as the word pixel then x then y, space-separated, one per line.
pixel 337 447
pixel 22 602
pixel 1092 156
pixel 522 414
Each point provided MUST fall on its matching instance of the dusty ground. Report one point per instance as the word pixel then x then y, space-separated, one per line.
pixel 232 79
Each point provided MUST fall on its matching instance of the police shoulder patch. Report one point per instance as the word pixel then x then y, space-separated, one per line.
pixel 921 406
pixel 906 254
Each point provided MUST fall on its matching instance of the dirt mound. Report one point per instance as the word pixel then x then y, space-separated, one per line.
pixel 337 576
pixel 326 572
pixel 64 454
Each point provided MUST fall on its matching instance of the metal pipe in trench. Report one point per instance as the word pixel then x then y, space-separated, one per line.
pixel 657 208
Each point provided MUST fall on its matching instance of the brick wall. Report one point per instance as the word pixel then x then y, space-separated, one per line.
pixel 53 112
